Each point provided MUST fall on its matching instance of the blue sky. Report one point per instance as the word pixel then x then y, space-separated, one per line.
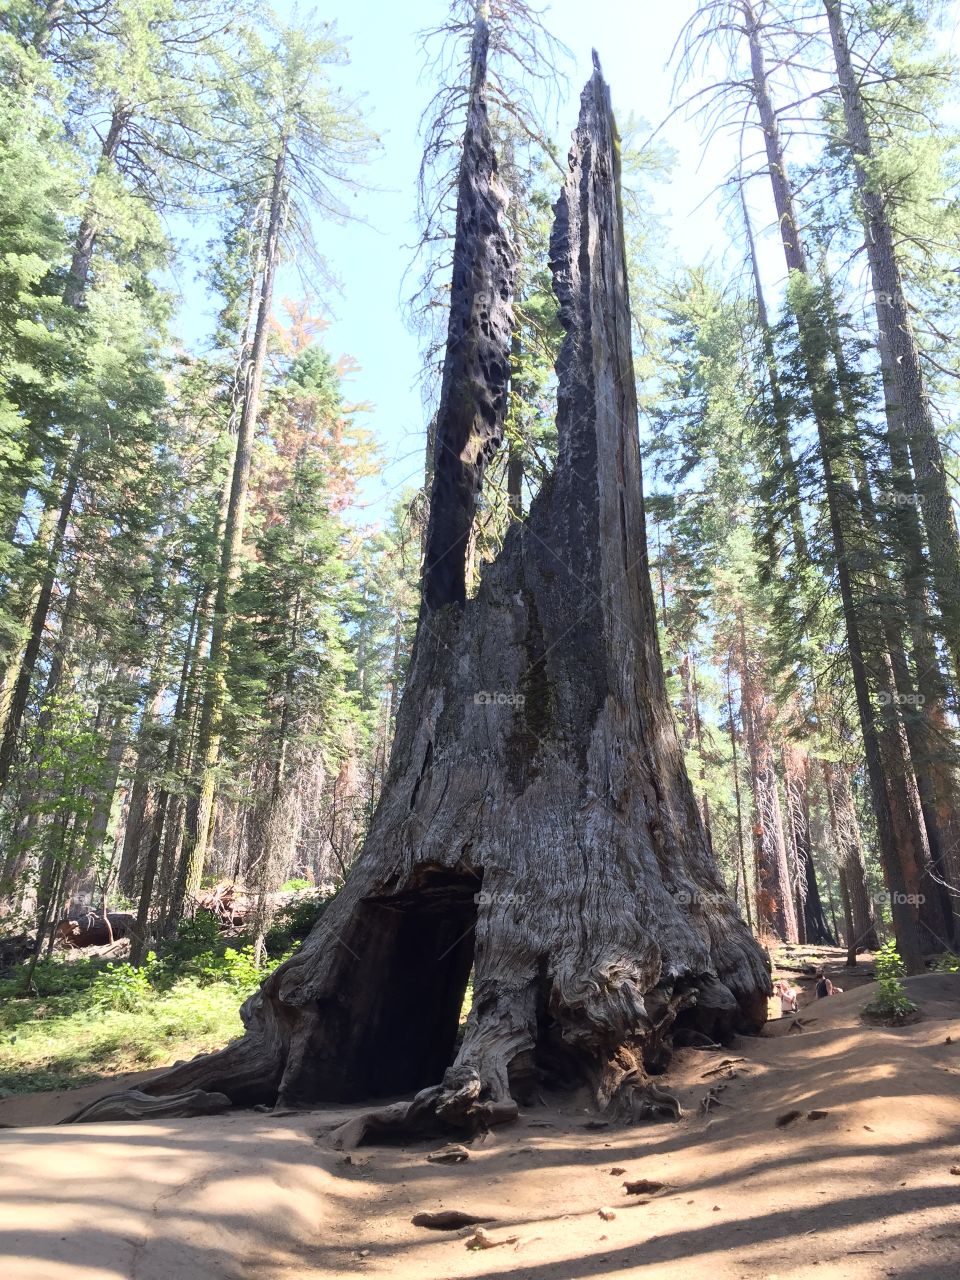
pixel 369 256
pixel 633 41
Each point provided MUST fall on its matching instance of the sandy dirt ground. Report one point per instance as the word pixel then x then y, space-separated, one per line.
pixel 864 1191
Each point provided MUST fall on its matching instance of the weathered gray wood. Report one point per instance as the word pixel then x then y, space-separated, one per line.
pixel 536 821
pixel 476 366
pixel 134 1104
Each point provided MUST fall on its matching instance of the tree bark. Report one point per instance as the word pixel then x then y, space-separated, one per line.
pixel 811 921
pixel 896 325
pixel 74 294
pixel 476 368
pixel 536 821
pixel 846 837
pixel 921 787
pixel 775 909
pixel 842 513
pixel 741 856
pixel 207 756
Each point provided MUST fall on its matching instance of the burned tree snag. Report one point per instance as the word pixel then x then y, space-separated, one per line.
pixel 536 823
pixel 476 366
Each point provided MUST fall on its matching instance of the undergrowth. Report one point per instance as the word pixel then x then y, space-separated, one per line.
pixel 891 1004
pixel 90 1018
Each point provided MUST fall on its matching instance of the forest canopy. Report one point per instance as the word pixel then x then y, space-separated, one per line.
pixel 204 631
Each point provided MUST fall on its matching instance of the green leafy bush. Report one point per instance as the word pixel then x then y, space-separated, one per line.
pixel 293 922
pixel 891 1003
pixel 123 987
pixel 193 937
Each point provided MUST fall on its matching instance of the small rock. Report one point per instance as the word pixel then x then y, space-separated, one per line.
pixel 642 1187
pixel 817 1115
pixel 482 1240
pixel 616 1171
pixel 452 1153
pixel 446 1219
pixel 606 1214
pixel 788 1117
pixel 955 1169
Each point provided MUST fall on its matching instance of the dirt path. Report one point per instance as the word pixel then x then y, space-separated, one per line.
pixel 865 1191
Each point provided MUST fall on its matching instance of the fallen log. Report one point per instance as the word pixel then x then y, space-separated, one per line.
pixel 92 930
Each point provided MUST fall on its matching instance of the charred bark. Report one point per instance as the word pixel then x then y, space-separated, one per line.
pixel 476 367
pixel 536 823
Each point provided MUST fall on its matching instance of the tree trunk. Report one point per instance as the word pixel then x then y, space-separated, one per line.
pixel 842 513
pixel 897 327
pixel 73 295
pixel 775 908
pixel 779 409
pixel 921 786
pixel 200 810
pixel 536 822
pixel 846 838
pixel 161 805
pixel 812 923
pixel 741 855
pixel 142 799
pixel 476 367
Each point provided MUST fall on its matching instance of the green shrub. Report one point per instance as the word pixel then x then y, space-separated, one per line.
pixel 53 979
pixel 293 922
pixel 123 987
pixel 891 1003
pixel 946 963
pixel 193 937
pixel 295 885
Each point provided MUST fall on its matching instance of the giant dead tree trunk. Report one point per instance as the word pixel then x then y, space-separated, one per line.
pixel 536 822
pixel 476 367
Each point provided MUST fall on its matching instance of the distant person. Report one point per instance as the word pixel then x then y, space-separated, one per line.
pixel 788 997
pixel 825 987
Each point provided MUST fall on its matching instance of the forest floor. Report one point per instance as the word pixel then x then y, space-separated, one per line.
pixel 869 1189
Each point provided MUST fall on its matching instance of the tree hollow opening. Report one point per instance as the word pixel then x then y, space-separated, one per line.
pixel 416 961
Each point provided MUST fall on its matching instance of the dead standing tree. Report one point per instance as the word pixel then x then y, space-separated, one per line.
pixel 536 822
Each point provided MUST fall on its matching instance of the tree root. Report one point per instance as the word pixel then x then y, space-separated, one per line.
pixel 457 1106
pixel 639 1099
pixel 133 1104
